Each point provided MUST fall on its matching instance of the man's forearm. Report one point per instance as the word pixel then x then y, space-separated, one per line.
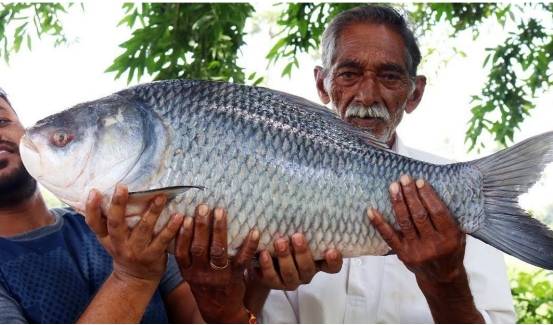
pixel 119 301
pixel 451 302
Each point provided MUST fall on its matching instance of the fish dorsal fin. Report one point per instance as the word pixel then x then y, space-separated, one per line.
pixel 329 116
pixel 138 200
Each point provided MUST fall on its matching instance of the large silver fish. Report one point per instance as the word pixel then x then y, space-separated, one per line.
pixel 277 162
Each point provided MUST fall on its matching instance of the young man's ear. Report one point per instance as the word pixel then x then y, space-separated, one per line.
pixel 416 95
pixel 318 72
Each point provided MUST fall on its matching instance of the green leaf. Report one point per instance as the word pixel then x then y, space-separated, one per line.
pixel 287 69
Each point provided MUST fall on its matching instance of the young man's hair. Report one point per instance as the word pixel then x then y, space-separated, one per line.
pixel 370 14
pixel 4 95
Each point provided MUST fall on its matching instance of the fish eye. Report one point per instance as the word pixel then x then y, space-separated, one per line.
pixel 60 138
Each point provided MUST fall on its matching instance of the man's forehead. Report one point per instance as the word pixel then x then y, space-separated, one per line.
pixel 370 43
pixel 357 63
pixel 5 106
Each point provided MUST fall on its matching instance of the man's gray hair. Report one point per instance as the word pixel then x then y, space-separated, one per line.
pixel 370 14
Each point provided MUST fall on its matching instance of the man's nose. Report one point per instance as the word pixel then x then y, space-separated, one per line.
pixel 368 92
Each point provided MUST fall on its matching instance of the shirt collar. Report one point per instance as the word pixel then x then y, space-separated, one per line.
pixel 399 147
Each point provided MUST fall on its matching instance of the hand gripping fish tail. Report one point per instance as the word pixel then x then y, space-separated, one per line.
pixel 506 175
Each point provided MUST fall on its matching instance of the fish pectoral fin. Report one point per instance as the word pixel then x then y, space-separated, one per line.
pixel 171 192
pixel 138 201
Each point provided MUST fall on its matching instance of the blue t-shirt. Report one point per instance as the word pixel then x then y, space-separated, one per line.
pixel 50 274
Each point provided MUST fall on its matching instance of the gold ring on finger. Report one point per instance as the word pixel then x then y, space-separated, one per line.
pixel 218 268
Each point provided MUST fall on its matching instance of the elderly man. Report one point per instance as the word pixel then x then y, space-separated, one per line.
pixel 369 77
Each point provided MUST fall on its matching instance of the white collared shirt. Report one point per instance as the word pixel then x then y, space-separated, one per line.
pixel 380 289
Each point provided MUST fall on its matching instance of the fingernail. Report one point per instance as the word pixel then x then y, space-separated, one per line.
pixel 202 210
pixel 91 196
pixel 121 189
pixel 282 245
pixel 255 234
pixel 186 224
pixel 394 188
pixel 177 217
pixel 218 214
pixel 159 200
pixel 265 257
pixel 405 180
pixel 298 239
pixel 370 214
pixel 420 183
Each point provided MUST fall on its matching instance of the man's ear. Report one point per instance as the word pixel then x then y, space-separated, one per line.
pixel 318 72
pixel 416 96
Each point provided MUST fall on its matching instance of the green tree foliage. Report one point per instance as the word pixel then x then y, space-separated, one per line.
pixel 28 21
pixel 183 40
pixel 302 26
pixel 203 40
pixel 533 296
pixel 518 67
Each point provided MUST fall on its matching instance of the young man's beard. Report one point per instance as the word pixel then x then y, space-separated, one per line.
pixel 16 187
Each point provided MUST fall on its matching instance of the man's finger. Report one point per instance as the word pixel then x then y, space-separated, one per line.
pixel 93 214
pixel 247 251
pixel 268 272
pixel 184 239
pixel 304 258
pixel 418 212
pixel 287 266
pixel 387 232
pixel 401 212
pixel 439 212
pixel 332 262
pixel 117 227
pixel 168 233
pixel 218 250
pixel 143 232
pixel 200 242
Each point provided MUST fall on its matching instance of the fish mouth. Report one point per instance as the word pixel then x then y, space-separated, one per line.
pixel 30 156
pixel 25 141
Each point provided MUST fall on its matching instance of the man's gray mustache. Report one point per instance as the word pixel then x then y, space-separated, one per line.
pixel 373 111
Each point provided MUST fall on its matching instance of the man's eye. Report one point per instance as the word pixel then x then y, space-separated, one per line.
pixel 348 75
pixel 4 122
pixel 390 76
pixel 392 80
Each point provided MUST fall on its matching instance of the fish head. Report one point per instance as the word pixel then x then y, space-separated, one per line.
pixel 92 145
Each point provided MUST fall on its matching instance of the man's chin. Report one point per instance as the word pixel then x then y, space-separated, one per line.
pixel 16 186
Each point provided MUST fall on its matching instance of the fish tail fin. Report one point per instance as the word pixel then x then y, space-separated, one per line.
pixel 506 175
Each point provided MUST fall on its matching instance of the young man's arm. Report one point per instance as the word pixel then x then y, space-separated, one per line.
pixel 10 311
pixel 139 258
